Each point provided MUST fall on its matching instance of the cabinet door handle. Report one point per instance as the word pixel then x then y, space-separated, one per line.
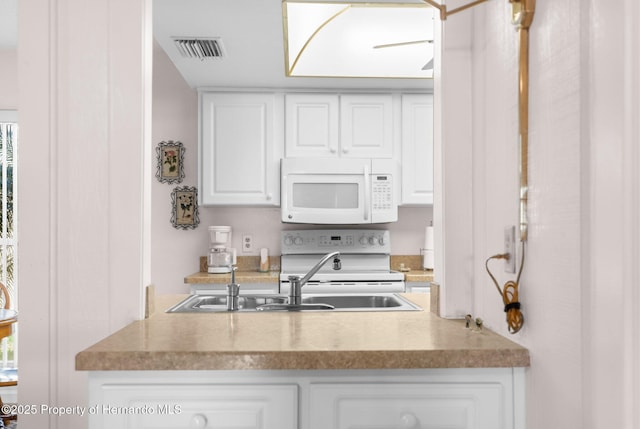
pixel 198 421
pixel 269 197
pixel 409 421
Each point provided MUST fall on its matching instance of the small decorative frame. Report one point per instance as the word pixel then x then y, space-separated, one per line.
pixel 170 156
pixel 184 203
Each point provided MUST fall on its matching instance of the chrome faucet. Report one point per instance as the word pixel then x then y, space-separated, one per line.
pixel 296 283
pixel 233 291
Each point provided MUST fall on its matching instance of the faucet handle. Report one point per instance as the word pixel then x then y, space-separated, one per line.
pixel 233 287
pixel 234 268
pixel 233 291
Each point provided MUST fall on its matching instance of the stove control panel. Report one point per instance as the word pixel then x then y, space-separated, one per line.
pixel 312 241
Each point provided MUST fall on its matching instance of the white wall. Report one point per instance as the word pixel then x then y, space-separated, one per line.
pixel 580 274
pixel 551 282
pixel 453 159
pixel 175 252
pixel 83 100
pixel 611 209
pixel 8 79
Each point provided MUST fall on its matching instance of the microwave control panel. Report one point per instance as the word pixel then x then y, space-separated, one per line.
pixel 343 240
pixel 382 195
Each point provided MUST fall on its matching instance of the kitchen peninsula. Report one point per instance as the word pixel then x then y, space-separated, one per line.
pixel 307 370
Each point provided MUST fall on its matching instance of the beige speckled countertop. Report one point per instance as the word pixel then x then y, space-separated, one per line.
pixel 299 340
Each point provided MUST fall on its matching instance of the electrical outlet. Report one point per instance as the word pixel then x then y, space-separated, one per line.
pixel 247 243
pixel 510 249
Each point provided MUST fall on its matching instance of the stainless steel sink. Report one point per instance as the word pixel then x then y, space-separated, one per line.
pixel 359 302
pixel 378 302
pixel 218 303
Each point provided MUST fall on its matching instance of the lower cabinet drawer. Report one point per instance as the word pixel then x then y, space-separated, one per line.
pixel 173 406
pixel 407 405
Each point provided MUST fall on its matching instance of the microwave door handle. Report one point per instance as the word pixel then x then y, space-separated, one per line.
pixel 367 192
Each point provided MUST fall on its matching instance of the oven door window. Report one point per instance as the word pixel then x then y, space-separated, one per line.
pixel 325 195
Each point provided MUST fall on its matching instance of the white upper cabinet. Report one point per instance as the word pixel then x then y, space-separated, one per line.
pixel 334 125
pixel 243 136
pixel 312 125
pixel 366 127
pixel 240 148
pixel 417 149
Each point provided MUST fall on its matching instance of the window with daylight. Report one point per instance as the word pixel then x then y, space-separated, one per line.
pixel 8 230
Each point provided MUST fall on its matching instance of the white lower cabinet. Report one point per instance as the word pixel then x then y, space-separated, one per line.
pixel 408 405
pixel 481 398
pixel 173 406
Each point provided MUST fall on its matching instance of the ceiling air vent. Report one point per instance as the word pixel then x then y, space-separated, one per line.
pixel 200 48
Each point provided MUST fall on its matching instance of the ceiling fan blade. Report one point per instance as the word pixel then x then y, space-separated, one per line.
pixel 429 65
pixel 393 45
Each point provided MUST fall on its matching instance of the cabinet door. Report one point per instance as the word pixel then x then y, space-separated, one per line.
pixel 366 126
pixel 407 405
pixel 170 406
pixel 311 124
pixel 238 154
pixel 417 149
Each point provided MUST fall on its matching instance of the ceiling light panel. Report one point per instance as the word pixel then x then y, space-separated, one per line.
pixel 358 40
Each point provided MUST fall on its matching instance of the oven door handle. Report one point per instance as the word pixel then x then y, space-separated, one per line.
pixel 367 192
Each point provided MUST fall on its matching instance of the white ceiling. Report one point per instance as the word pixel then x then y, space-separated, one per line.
pixel 252 37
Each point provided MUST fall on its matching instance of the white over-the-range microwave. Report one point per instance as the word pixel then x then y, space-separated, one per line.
pixel 337 191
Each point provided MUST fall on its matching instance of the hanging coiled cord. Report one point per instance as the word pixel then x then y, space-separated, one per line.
pixel 509 294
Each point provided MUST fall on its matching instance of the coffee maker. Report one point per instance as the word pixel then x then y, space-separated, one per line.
pixel 221 257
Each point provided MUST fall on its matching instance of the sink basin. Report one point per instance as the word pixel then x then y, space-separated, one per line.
pixel 265 303
pixel 378 302
pixel 218 303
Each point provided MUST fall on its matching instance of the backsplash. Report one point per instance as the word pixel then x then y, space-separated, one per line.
pixel 410 262
pixel 252 263
pixel 246 263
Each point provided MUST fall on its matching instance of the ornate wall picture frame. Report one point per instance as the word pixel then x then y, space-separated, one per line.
pixel 184 203
pixel 170 168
